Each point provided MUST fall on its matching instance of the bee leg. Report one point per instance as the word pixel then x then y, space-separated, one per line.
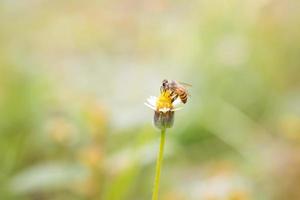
pixel 174 97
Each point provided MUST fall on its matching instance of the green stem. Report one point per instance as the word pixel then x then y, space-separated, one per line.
pixel 158 164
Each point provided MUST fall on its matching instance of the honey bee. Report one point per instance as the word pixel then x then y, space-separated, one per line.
pixel 177 89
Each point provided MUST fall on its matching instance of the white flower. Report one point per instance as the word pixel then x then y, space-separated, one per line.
pixel 164 108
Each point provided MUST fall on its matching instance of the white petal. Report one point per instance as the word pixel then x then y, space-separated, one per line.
pixel 153 97
pixel 150 106
pixel 164 110
pixel 152 100
pixel 177 102
pixel 176 109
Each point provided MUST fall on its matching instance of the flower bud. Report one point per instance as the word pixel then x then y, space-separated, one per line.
pixel 163 120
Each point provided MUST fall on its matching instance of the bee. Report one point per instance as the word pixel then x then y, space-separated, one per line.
pixel 177 89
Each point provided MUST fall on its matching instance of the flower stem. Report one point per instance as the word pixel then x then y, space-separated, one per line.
pixel 159 164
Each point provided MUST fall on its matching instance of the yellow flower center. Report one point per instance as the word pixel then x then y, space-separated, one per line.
pixel 164 100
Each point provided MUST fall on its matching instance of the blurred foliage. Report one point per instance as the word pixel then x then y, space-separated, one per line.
pixel 74 75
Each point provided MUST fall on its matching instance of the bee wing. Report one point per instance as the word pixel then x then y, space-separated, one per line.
pixel 185 84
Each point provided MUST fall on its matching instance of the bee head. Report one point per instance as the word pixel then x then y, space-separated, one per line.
pixel 164 82
pixel 164 85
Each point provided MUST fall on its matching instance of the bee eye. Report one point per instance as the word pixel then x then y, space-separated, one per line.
pixel 164 82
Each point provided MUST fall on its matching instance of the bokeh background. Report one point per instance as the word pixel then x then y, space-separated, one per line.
pixel 74 76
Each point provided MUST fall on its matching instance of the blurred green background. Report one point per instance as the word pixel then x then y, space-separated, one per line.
pixel 74 76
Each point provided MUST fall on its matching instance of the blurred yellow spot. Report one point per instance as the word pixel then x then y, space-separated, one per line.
pixel 61 130
pixel 290 127
pixel 238 195
pixel 96 118
pixel 91 156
